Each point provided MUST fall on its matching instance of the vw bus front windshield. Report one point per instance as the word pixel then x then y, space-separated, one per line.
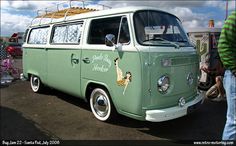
pixel 158 28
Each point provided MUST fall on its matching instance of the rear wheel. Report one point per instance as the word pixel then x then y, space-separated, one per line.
pixel 101 105
pixel 36 84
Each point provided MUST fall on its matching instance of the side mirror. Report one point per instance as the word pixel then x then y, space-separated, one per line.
pixel 110 40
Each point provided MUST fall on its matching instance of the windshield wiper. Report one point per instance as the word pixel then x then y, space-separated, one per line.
pixel 163 41
pixel 182 41
pixel 155 39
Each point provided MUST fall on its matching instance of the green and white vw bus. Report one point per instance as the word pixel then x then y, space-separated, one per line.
pixel 135 61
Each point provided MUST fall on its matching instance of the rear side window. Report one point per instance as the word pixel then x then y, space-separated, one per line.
pixel 67 34
pixel 99 28
pixel 38 35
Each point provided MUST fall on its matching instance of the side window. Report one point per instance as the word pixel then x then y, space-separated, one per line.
pixel 38 35
pixel 99 28
pixel 124 37
pixel 67 34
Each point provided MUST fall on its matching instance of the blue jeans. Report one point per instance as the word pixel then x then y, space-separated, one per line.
pixel 230 89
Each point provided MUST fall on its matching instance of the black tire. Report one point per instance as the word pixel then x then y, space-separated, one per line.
pixel 36 84
pixel 101 105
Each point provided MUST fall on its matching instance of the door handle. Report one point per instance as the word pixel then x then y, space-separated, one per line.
pixel 86 60
pixel 74 59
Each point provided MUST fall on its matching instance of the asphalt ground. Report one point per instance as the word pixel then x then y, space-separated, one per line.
pixel 55 115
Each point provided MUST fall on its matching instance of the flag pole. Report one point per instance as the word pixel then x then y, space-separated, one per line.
pixel 226 9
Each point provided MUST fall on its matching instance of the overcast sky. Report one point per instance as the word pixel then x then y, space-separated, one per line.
pixel 17 15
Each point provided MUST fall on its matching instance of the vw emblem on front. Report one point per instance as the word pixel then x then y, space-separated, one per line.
pixel 182 102
pixel 190 79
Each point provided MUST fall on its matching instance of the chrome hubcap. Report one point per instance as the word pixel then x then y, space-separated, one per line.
pixel 35 83
pixel 100 105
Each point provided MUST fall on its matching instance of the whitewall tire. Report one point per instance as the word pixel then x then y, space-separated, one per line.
pixel 35 83
pixel 101 105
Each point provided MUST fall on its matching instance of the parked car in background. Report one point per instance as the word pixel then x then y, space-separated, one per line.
pixel 14 49
pixel 17 37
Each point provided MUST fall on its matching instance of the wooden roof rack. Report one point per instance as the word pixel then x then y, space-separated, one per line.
pixel 66 12
pixel 79 8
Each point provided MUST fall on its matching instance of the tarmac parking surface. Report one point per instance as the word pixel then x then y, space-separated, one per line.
pixel 56 115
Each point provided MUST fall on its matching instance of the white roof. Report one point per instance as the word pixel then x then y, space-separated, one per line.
pixel 204 29
pixel 106 12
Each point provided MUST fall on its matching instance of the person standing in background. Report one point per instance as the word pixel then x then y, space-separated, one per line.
pixel 227 52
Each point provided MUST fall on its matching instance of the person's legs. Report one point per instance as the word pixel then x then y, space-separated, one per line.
pixel 230 89
pixel 219 84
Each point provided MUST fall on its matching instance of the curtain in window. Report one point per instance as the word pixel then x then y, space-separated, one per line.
pixel 39 36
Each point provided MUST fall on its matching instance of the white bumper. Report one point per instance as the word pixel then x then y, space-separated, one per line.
pixel 173 112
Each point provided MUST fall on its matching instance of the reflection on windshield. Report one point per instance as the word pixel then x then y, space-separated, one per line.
pixel 154 28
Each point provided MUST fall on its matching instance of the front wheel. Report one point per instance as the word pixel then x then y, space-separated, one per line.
pixel 36 84
pixel 101 105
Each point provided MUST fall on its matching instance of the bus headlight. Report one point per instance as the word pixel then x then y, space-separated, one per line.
pixel 163 84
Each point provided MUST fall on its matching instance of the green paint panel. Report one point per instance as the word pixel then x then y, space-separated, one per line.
pixel 35 62
pixel 102 69
pixel 182 65
pixel 63 71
